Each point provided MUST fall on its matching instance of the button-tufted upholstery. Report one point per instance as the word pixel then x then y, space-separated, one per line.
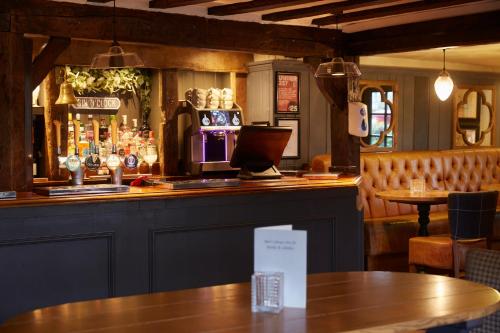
pixel 389 225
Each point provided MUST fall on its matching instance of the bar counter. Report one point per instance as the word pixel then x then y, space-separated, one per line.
pixel 55 250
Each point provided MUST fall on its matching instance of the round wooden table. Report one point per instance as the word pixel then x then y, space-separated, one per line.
pixel 423 200
pixel 336 302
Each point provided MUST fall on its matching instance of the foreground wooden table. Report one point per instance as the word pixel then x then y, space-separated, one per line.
pixel 423 200
pixel 337 302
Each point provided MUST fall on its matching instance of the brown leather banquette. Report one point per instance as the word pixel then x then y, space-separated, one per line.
pixel 389 225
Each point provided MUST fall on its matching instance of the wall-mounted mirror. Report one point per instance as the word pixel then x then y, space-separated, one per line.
pixel 474 116
pixel 381 97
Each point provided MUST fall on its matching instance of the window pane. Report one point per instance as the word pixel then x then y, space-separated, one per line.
pixel 373 139
pixel 390 96
pixel 377 105
pixel 378 124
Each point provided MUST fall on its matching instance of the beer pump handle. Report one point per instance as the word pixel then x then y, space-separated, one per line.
pixel 114 132
pixel 77 135
pixel 95 126
pixel 57 124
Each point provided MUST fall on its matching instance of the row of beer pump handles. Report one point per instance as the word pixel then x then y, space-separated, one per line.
pixel 92 161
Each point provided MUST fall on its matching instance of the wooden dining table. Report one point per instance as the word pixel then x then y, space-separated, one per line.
pixel 336 302
pixel 423 200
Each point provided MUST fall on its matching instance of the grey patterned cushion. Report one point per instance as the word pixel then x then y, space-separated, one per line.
pixel 483 266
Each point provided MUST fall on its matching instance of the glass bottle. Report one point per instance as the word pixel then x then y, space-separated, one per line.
pixel 145 129
pixel 103 130
pixel 71 135
pixel 89 129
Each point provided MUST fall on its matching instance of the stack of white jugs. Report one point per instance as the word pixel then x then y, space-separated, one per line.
pixel 226 101
pixel 212 98
pixel 197 96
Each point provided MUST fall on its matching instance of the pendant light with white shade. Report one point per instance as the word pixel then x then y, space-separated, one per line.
pixel 444 84
pixel 116 57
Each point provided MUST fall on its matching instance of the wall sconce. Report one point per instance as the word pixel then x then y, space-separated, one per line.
pixel 444 84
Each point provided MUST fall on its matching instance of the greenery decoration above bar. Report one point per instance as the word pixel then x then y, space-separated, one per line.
pixel 113 81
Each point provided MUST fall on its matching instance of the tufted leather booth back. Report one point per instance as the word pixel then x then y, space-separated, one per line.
pixel 452 170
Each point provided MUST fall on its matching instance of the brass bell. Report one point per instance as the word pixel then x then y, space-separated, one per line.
pixel 66 94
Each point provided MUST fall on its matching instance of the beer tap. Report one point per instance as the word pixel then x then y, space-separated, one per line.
pixel 93 162
pixel 73 162
pixel 60 159
pixel 113 161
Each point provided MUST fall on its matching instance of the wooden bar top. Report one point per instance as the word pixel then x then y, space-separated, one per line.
pixel 155 192
pixel 383 302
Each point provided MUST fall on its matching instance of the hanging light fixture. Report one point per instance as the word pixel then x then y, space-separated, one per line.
pixel 66 92
pixel 337 68
pixel 116 57
pixel 444 84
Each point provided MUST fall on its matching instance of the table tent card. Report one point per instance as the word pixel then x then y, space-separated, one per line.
pixel 281 249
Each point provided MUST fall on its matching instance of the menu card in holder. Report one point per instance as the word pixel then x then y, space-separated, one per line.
pixel 281 249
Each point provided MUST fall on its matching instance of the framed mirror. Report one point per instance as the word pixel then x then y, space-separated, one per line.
pixel 474 116
pixel 381 98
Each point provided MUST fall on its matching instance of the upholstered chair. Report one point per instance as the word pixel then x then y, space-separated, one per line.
pixel 483 266
pixel 471 216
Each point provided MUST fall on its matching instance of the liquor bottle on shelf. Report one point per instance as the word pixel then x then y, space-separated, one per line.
pixel 145 128
pixel 89 129
pixel 71 135
pixel 103 130
pixel 83 144
pixel 151 138
pixel 134 129
pixel 82 127
pixel 124 138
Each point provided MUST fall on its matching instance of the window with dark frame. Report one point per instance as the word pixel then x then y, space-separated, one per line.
pixel 379 115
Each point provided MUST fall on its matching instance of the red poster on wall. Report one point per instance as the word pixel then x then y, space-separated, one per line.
pixel 287 92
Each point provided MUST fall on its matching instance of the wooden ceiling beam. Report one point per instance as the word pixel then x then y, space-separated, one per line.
pixel 175 3
pixel 252 6
pixel 474 29
pixel 44 62
pixel 100 1
pixel 93 22
pixel 386 11
pixel 321 9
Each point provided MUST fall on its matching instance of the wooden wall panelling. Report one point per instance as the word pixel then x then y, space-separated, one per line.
pixel 52 270
pixel 260 93
pixel 261 98
pixel 105 249
pixel 439 113
pixel 434 118
pixel 15 107
pixel 54 112
pixel 168 134
pixel 421 102
pixel 241 91
pixel 408 119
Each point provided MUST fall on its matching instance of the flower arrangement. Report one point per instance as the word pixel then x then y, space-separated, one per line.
pixel 112 81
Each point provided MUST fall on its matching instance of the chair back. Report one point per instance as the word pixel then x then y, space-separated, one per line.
pixel 471 214
pixel 483 266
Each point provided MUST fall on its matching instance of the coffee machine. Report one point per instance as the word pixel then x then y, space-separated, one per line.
pixel 212 138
